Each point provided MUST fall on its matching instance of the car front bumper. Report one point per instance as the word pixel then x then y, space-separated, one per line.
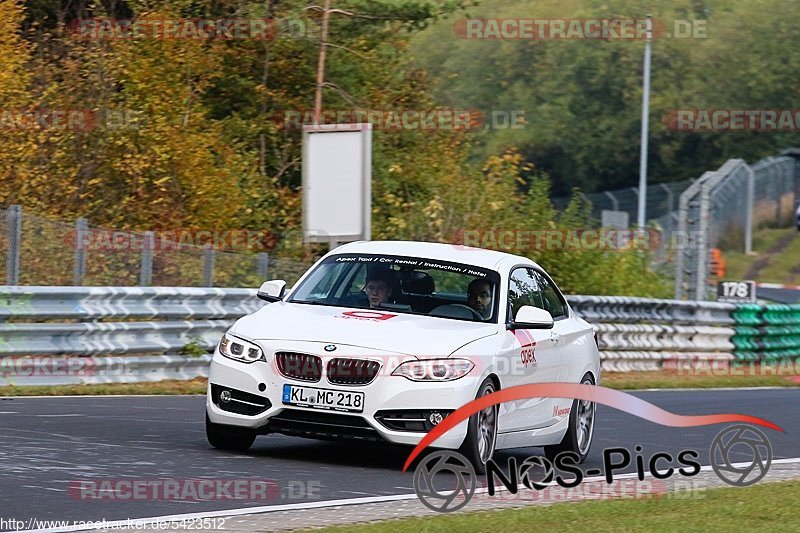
pixel 384 393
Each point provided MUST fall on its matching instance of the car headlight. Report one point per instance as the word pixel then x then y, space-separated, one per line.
pixel 434 369
pixel 239 349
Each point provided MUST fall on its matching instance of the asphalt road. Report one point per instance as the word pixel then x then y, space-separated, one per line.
pixel 49 443
pixel 784 296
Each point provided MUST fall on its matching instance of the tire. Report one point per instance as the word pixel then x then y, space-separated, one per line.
pixel 479 444
pixel 578 438
pixel 230 438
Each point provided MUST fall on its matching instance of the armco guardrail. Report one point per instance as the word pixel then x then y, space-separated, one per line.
pixel 65 335
pixel 640 334
pixel 60 370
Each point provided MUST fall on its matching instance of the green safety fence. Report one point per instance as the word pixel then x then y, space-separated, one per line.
pixel 766 332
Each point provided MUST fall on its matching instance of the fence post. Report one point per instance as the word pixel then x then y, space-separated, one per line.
pixel 614 201
pixel 14 235
pixel 748 223
pixel 262 265
pixel 208 265
pixel 670 196
pixel 146 269
pixel 79 268
pixel 589 213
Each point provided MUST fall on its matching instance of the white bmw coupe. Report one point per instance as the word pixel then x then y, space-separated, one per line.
pixel 382 340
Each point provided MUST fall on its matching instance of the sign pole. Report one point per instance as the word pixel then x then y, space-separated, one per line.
pixel 642 204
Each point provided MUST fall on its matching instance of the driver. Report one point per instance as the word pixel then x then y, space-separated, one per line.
pixel 479 297
pixel 378 287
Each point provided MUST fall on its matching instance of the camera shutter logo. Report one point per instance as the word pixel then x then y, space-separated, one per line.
pixel 740 442
pixel 456 468
pixel 531 464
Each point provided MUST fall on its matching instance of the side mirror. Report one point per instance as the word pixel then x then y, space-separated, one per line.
pixel 272 291
pixel 529 317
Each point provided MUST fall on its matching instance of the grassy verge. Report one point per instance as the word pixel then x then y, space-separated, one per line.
pixel 764 507
pixel 615 380
pixel 784 267
pixel 780 267
pixel 195 386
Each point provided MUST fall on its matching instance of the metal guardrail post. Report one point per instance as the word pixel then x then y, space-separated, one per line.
pixel 14 235
pixel 208 266
pixel 79 268
pixel 146 269
pixel 779 186
pixel 262 265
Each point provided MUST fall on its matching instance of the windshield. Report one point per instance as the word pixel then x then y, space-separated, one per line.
pixel 403 285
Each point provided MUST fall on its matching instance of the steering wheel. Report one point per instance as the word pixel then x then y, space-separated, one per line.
pixel 476 315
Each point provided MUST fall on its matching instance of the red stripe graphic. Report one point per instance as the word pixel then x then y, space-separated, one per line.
pixel 602 395
pixel 524 337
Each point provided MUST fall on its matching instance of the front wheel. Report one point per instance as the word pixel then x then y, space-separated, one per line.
pixel 481 437
pixel 229 437
pixel 578 438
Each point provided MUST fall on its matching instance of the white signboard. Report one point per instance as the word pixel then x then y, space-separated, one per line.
pixel 337 179
pixel 614 219
pixel 617 220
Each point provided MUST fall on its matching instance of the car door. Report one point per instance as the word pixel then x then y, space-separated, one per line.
pixel 528 356
pixel 566 337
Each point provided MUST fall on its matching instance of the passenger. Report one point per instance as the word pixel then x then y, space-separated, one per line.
pixel 378 287
pixel 479 297
pixel 797 216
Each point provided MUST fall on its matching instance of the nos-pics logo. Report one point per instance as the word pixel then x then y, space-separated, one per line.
pixel 445 481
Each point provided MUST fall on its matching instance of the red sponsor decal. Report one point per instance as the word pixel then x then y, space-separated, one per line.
pixel 528 345
pixel 524 337
pixel 561 412
pixel 368 315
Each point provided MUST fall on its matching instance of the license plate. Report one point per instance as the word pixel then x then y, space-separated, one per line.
pixel 333 400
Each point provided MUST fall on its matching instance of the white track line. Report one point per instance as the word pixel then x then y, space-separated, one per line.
pixel 99 396
pixel 308 505
pixel 715 389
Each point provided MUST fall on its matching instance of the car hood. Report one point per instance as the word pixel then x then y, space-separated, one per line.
pixel 416 335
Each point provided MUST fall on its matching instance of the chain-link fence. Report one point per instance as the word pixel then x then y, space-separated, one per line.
pixel 662 205
pixel 721 210
pixel 662 199
pixel 39 251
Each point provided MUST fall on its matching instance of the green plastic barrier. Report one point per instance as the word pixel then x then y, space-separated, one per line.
pixel 768 333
